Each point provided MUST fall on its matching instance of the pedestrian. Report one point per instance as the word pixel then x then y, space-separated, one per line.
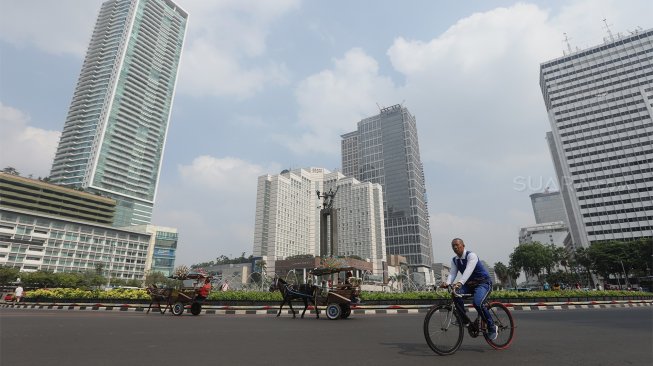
pixel 546 286
pixel 18 293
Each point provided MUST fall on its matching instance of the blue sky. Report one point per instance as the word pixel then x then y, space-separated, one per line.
pixel 269 85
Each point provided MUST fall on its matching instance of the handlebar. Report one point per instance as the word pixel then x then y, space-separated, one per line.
pixel 452 291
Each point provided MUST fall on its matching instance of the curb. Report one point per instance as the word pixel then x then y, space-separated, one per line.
pixel 356 309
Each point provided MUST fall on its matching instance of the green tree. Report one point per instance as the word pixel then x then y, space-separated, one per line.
pixel 532 258
pixel 67 279
pixel 607 258
pixel 582 259
pixel 91 279
pixel 39 279
pixel 8 275
pixel 11 170
pixel 502 272
pixel 155 278
pixel 560 256
pixel 643 249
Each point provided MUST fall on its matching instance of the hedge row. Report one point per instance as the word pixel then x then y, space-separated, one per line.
pixel 141 294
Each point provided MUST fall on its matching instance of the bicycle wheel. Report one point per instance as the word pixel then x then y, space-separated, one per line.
pixel 503 319
pixel 443 330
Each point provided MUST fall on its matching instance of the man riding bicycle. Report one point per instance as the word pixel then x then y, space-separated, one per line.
pixel 475 280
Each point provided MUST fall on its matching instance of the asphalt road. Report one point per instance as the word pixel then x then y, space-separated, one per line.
pixel 614 336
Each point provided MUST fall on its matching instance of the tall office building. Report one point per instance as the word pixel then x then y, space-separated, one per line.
pixel 548 207
pixel 288 216
pixel 599 103
pixel 113 138
pixel 384 149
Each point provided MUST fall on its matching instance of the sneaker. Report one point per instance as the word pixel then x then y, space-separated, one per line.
pixel 493 332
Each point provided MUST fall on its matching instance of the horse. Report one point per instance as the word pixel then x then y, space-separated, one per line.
pixel 293 292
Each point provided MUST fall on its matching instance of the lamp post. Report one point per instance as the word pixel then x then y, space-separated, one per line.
pixel 624 270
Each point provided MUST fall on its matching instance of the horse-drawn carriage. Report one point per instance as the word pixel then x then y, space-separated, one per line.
pixel 337 298
pixel 177 300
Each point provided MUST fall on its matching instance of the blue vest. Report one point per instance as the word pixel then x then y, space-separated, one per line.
pixel 479 275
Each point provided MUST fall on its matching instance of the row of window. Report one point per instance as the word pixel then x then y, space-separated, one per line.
pixel 615 193
pixel 611 158
pixel 606 133
pixel 626 201
pixel 620 165
pixel 628 81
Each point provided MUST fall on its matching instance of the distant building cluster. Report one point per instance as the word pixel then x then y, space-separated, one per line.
pixel 379 207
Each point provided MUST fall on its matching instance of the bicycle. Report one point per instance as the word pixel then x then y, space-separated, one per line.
pixel 444 325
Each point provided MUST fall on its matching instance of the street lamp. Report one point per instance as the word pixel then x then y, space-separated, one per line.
pixel 624 270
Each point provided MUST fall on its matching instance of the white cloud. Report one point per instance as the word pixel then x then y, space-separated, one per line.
pixel 332 101
pixel 28 149
pixel 213 205
pixel 224 55
pixel 56 27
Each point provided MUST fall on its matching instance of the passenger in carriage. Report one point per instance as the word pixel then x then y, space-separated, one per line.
pixel 203 292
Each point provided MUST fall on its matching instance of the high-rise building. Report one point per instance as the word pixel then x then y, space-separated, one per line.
pixel 115 131
pixel 600 107
pixel 548 207
pixel 385 150
pixel 288 216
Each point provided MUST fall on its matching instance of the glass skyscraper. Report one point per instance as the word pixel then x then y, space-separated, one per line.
pixel 113 138
pixel 384 149
pixel 600 106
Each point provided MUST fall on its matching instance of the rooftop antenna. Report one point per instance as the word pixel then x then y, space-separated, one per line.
pixel 378 106
pixel 567 42
pixel 607 27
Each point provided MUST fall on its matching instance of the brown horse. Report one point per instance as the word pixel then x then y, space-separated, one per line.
pixel 293 292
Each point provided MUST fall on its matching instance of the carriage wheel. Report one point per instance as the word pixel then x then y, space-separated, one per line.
pixel 333 311
pixel 178 308
pixel 196 308
pixel 345 311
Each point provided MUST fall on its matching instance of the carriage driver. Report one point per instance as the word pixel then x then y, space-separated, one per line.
pixel 203 292
pixel 475 279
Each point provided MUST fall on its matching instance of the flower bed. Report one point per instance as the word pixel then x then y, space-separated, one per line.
pixel 253 297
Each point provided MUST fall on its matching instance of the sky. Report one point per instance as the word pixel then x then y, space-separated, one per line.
pixel 270 85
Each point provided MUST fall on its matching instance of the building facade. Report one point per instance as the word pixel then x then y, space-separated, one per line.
pixel 162 249
pixel 548 233
pixel 35 195
pixel 548 207
pixel 33 241
pixel 115 131
pixel 385 150
pixel 52 228
pixel 600 107
pixel 288 216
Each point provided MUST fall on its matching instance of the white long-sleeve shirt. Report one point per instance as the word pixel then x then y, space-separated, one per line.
pixel 472 260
